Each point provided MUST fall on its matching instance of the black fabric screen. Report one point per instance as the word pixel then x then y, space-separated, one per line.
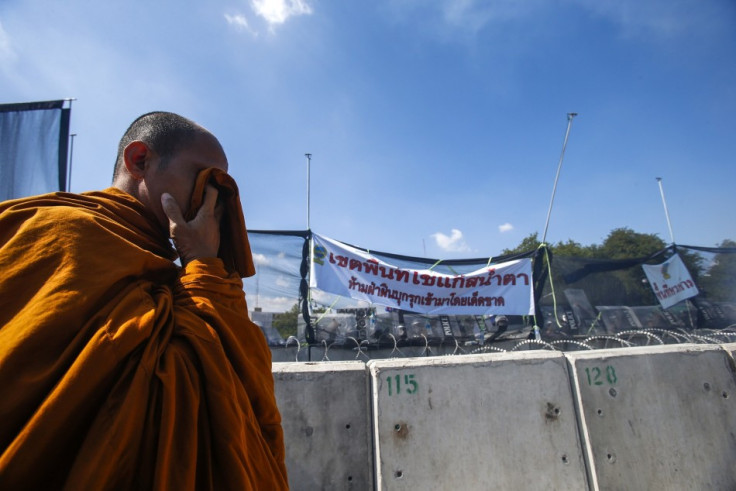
pixel 33 148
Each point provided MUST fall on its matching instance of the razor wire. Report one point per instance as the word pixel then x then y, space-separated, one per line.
pixel 363 350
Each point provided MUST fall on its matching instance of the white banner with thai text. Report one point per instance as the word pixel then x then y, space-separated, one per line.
pixel 504 288
pixel 671 281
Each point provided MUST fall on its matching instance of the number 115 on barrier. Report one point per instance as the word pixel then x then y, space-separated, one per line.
pixel 394 383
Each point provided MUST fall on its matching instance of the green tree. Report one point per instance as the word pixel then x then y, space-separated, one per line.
pixel 694 263
pixel 529 243
pixel 624 243
pixel 719 282
pixel 626 286
pixel 574 249
pixel 629 286
pixel 569 248
pixel 285 323
pixel 621 287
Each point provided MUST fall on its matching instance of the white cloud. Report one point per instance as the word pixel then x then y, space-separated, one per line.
pixel 452 243
pixel 273 304
pixel 278 11
pixel 261 260
pixel 334 302
pixel 283 282
pixel 319 296
pixel 506 227
pixel 474 15
pixel 469 16
pixel 239 22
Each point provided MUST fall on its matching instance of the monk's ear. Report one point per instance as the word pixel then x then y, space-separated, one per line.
pixel 137 156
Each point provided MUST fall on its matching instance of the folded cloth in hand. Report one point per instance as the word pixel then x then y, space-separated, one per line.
pixel 234 246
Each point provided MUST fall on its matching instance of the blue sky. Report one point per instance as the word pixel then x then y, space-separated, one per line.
pixel 435 127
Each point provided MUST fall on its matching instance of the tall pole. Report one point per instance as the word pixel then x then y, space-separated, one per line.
pixel 70 100
pixel 557 177
pixel 258 293
pixel 309 187
pixel 666 211
pixel 71 159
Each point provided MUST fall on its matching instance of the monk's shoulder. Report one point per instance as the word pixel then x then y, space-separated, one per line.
pixel 26 219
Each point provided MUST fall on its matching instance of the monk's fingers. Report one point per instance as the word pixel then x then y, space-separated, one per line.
pixel 172 210
pixel 210 199
pixel 219 211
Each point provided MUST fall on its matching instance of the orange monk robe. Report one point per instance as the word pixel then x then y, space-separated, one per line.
pixel 119 370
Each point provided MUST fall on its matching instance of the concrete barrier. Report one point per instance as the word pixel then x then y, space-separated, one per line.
pixel 731 350
pixel 659 417
pixel 492 421
pixel 325 413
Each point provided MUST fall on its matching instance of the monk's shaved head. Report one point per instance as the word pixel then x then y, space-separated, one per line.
pixel 165 133
pixel 162 153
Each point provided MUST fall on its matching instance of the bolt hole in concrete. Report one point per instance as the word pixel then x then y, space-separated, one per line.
pixel 725 395
pixel 399 474
pixel 397 427
pixel 350 478
pixel 612 392
pixel 552 413
pixel 611 458
pixel 565 460
pixel 347 426
pixel 706 386
pixel 600 412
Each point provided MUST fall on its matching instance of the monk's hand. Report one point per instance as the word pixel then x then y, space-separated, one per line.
pixel 200 237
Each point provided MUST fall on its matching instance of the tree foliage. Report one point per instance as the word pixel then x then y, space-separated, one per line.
pixel 627 285
pixel 569 248
pixel 286 323
pixel 719 282
pixel 624 243
pixel 529 243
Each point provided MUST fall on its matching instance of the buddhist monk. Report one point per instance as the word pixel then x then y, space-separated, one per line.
pixel 121 368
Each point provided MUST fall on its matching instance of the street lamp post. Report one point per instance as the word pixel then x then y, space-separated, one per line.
pixel 309 188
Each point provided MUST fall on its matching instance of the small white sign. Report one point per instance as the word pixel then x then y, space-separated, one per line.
pixel 671 281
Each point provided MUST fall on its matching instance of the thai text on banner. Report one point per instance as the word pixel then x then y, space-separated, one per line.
pixel 503 288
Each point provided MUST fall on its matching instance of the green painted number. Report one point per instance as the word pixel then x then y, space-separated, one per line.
pixel 393 383
pixel 413 386
pixel 611 375
pixel 595 375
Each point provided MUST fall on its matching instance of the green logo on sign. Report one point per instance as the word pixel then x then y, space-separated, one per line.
pixel 319 255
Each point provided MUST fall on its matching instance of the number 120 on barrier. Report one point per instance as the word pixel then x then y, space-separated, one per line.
pixel 394 384
pixel 596 376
